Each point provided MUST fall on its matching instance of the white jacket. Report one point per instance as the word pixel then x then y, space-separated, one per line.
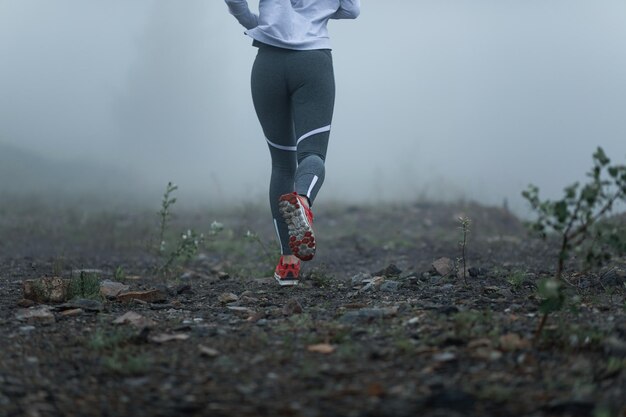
pixel 293 24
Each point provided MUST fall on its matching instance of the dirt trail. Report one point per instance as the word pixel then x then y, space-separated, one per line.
pixel 373 330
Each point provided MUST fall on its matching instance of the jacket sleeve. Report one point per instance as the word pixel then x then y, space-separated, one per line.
pixel 241 11
pixel 348 9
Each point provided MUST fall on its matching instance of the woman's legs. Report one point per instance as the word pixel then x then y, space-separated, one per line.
pixel 293 94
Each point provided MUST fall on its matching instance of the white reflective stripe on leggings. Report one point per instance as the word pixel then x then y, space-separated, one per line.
pixel 284 148
pixel 280 242
pixel 313 132
pixel 303 137
pixel 308 193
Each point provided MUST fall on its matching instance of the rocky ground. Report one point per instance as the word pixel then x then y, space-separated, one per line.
pixel 380 326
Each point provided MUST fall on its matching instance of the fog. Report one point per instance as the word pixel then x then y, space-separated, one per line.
pixel 435 99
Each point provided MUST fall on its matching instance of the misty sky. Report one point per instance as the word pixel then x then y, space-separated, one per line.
pixel 446 99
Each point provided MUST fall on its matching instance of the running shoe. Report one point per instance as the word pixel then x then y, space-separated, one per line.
pixel 287 274
pixel 299 219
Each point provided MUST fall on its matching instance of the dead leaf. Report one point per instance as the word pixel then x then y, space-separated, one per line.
pixel 324 348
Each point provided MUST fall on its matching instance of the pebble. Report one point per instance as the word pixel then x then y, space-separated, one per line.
pixel 443 266
pixel 27 329
pixel 390 286
pixel 359 278
pixel 292 307
pixel 227 297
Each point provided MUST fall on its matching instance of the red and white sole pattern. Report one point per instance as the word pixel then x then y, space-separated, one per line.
pixel 301 236
pixel 286 282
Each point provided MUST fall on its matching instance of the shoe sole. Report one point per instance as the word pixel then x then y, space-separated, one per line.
pixel 286 282
pixel 301 236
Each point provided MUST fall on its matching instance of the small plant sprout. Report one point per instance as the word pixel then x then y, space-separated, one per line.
pixel 189 242
pixel 165 213
pixel 465 223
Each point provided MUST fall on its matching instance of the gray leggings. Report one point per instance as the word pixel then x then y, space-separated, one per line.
pixel 294 96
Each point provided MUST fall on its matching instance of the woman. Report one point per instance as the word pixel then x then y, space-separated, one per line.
pixel 293 90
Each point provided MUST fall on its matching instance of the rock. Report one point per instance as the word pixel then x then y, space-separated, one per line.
pixel 111 289
pixel 292 307
pixel 323 348
pixel 372 284
pixel 25 303
pixel 390 286
pixel 150 296
pixel 389 272
pixel 27 329
pixel 72 312
pixel 613 278
pixel 41 314
pixel 135 319
pixel 47 289
pixel 512 341
pixel 166 337
pixel 615 347
pixel 227 297
pixel 183 289
pixel 474 272
pixel 207 351
pixel 223 275
pixel 367 315
pixel 444 357
pixel 443 266
pixel 358 279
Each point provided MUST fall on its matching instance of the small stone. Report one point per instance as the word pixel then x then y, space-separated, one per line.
pixel 150 296
pixel 447 287
pixel 292 307
pixel 512 342
pixel 48 289
pixel 323 348
pixel 444 357
pixel 443 266
pixel 111 289
pixel 474 272
pixel 390 286
pixel 25 303
pixel 208 352
pixel 372 284
pixel 166 337
pixel 40 314
pixel 135 319
pixel 358 279
pixel 390 271
pixel 72 312
pixel 223 275
pixel 227 297
pixel 615 347
pixel 27 329
pixel 183 289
